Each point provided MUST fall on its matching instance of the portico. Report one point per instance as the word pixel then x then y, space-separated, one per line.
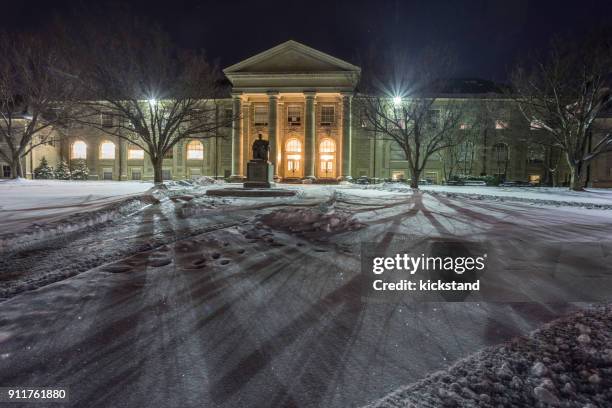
pixel 299 99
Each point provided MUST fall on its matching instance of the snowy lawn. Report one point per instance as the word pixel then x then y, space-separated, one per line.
pixel 23 202
pixel 597 197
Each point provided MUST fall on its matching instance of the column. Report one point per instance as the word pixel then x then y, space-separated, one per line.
pixel 309 136
pixel 246 148
pixel 272 102
pixel 236 138
pixel 123 174
pixel 346 136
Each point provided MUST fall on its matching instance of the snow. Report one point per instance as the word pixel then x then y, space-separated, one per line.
pixel 28 206
pixel 592 198
pixel 202 301
pixel 515 374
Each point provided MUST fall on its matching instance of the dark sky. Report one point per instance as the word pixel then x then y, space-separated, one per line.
pixel 487 35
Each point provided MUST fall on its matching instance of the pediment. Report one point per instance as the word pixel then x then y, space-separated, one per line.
pixel 291 57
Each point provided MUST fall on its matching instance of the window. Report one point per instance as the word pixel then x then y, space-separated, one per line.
pixel 136 174
pixel 6 171
pixel 294 146
pixel 327 146
pixel 500 152
pixel 396 153
pixel 228 114
pixel 501 124
pixel 464 126
pixel 195 150
pixel 79 150
pixel 260 115
pixel 135 153
pixel 169 154
pixel 433 118
pixel 535 125
pixel 107 120
pixel 534 178
pixel 327 115
pixel 294 115
pixel 107 151
pixel 107 174
pixel 166 174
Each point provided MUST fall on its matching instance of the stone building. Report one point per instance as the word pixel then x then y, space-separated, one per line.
pixel 305 102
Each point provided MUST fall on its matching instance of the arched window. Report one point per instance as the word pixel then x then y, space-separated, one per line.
pixel 327 146
pixel 195 150
pixel 79 150
pixel 293 146
pixel 107 150
pixel 135 153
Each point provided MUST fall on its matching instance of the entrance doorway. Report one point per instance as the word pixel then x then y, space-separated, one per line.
pixel 327 159
pixel 293 159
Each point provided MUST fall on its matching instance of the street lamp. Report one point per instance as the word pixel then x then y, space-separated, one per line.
pixel 397 100
pixel 152 101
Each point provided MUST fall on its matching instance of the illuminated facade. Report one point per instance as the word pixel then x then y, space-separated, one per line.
pixel 304 102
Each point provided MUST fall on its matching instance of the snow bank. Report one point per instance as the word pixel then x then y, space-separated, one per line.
pixel 323 218
pixel 567 363
pixel 205 181
pixel 40 209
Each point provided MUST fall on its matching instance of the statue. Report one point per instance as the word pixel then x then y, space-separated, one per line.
pixel 260 149
pixel 260 172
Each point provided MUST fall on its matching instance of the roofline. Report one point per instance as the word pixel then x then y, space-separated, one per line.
pixel 285 45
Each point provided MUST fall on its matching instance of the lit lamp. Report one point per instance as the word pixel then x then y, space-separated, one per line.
pixel 397 100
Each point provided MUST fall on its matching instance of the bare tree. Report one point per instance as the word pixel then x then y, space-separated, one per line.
pixel 563 92
pixel 34 99
pixel 148 91
pixel 403 105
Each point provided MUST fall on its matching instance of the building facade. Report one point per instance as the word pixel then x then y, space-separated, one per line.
pixel 304 102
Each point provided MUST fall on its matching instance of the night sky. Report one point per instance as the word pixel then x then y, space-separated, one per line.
pixel 487 36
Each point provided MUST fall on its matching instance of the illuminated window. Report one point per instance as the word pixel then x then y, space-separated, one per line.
pixel 535 125
pixel 327 115
pixel 501 124
pixel 294 146
pixel 294 115
pixel 464 126
pixel 260 115
pixel 79 150
pixel 107 150
pixel 327 146
pixel 195 150
pixel 135 153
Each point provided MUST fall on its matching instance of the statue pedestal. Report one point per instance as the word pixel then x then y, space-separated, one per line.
pixel 260 174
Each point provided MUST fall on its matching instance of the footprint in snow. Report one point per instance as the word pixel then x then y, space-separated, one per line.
pixel 224 261
pixel 216 255
pixel 157 262
pixel 117 268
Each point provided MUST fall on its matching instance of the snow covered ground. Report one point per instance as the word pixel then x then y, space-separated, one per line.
pixel 251 302
pixel 24 202
pixel 591 198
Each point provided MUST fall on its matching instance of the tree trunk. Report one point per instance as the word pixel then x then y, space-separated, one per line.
pixel 157 169
pixel 16 168
pixel 414 183
pixel 576 183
